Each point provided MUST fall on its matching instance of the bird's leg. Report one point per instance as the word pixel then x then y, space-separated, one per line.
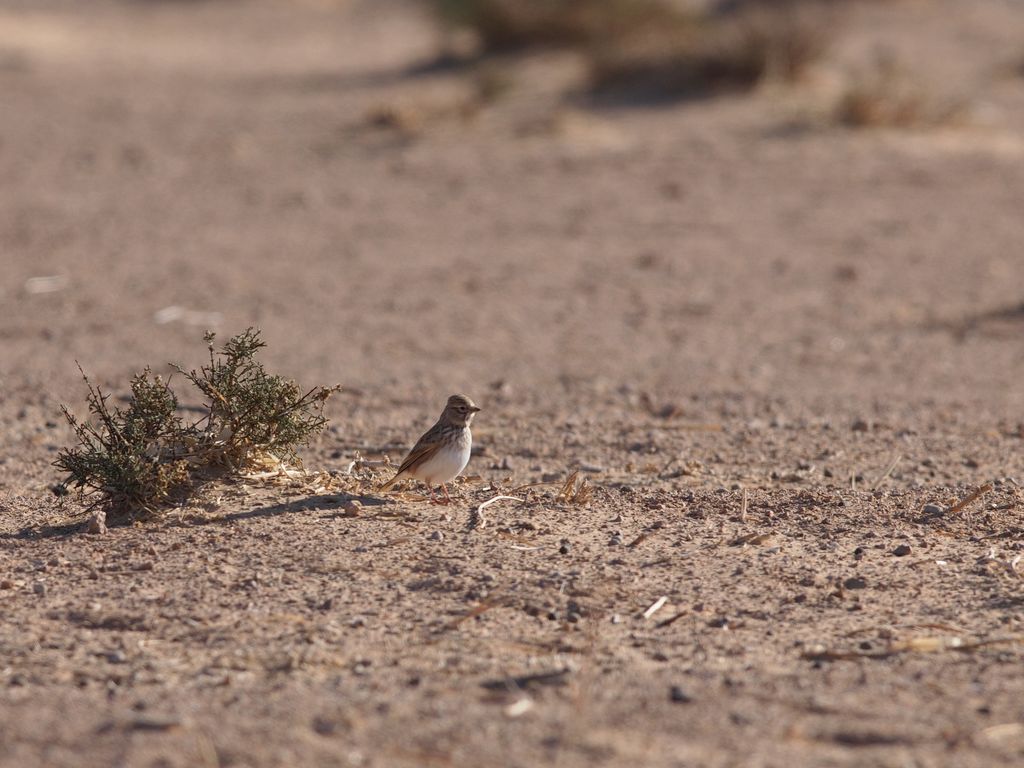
pixel 447 498
pixel 433 496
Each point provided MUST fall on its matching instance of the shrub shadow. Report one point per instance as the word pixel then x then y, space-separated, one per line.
pixel 332 502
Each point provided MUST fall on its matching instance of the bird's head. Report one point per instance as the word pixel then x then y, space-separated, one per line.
pixel 459 410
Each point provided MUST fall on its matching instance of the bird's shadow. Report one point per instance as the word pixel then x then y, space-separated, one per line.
pixel 329 501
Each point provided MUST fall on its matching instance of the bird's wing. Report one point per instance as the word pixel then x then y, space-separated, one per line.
pixel 423 450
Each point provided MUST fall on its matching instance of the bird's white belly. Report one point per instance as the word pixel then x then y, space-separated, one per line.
pixel 446 463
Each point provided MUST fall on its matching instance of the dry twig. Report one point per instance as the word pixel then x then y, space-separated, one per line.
pixel 477 519
pixel 656 606
pixel 889 470
pixel 970 498
pixel 575 493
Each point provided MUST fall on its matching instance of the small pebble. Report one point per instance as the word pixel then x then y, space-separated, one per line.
pixel 436 536
pixel 564 548
pixel 6 584
pixel 855 582
pixel 325 726
pixel 678 696
pixel 901 550
pixel 39 588
pixel 97 523
pixel 932 509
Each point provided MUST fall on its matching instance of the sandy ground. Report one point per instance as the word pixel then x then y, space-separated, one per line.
pixel 769 342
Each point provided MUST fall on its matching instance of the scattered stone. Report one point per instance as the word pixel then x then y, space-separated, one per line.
pixel 855 582
pixel 352 508
pixel 39 588
pixel 97 522
pixel 902 550
pixel 6 584
pixel 932 509
pixel 519 708
pixel 565 547
pixel 325 726
pixel 678 696
pixel 436 536
pixel 155 723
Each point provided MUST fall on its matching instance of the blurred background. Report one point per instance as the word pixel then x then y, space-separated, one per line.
pixel 554 201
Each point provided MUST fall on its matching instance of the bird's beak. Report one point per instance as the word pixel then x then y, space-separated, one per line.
pixel 474 409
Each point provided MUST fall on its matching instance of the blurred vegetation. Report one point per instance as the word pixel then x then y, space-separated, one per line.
pixel 656 45
pixel 513 25
pixel 146 455
pixel 885 95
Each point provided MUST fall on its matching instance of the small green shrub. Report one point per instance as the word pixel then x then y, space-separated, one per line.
pixel 250 410
pixel 145 455
pixel 132 457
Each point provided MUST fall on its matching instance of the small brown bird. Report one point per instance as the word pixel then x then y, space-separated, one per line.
pixel 443 452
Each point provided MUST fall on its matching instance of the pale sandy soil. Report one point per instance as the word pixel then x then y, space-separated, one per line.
pixel 687 300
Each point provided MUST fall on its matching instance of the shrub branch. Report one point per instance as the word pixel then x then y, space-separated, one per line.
pixel 145 456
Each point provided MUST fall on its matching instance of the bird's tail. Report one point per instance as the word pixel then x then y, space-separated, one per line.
pixel 390 483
